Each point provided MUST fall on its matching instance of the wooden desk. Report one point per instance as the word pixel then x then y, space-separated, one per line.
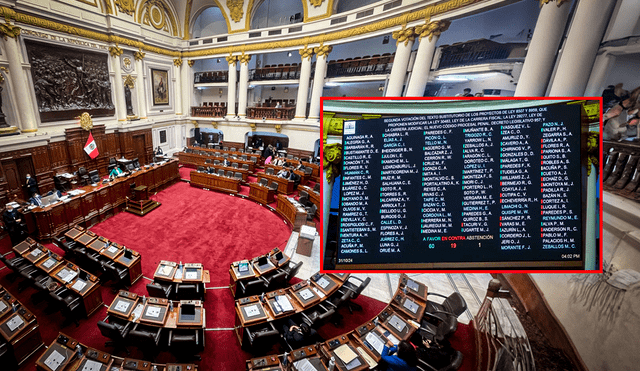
pixel 411 306
pixel 310 353
pixel 330 347
pixel 285 186
pixel 304 178
pixel 197 159
pixel 235 275
pixel 260 193
pixel 414 288
pixel 215 182
pixel 98 202
pixel 58 268
pixel 19 329
pixel 65 347
pixel 157 312
pixel 296 216
pixel 133 264
pixel 266 363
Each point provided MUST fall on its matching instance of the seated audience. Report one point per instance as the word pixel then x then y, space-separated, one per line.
pixel 36 200
pixel 284 173
pixel 226 162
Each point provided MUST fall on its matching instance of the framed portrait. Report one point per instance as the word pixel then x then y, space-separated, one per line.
pixel 160 86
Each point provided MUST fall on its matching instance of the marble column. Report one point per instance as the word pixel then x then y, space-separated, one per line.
pixel 187 87
pixel 322 52
pixel 424 57
pixel 303 85
pixel 141 97
pixel 231 97
pixel 543 47
pixel 243 87
pixel 601 69
pixel 22 94
pixel 625 20
pixel 580 48
pixel 404 43
pixel 118 86
pixel 177 86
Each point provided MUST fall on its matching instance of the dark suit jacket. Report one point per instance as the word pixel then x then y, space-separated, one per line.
pixel 10 222
pixel 32 185
pixel 35 202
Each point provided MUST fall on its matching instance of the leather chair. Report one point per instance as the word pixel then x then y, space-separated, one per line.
pixel 229 174
pixel 252 287
pixel 94 176
pixel 118 275
pixel 453 305
pixel 159 290
pixel 7 359
pixel 244 157
pixel 276 280
pixel 319 315
pixel 68 303
pixel 188 291
pixel 147 339
pixel 200 169
pixel 117 333
pixel 245 166
pixel 234 165
pixel 311 212
pixel 438 333
pixel 207 161
pixel 303 194
pixel 316 187
pixel 112 161
pixel 184 344
pixel 269 171
pixel 264 181
pixel 273 185
pixel 83 176
pixel 16 264
pixel 238 176
pixel 355 290
pixel 291 270
pixel 136 163
pixel 260 338
pixel 63 244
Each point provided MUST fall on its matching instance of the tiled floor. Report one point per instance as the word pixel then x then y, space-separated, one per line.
pixel 472 287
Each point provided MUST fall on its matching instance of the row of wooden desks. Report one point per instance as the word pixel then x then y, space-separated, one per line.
pixel 67 354
pixel 361 348
pixel 314 197
pixel 292 211
pixel 63 273
pixel 232 151
pixel 158 312
pixel 196 158
pixel 256 267
pixel 18 327
pixel 112 251
pixel 96 203
pixel 285 302
pixel 304 177
pixel 215 182
pixel 285 186
pixel 315 167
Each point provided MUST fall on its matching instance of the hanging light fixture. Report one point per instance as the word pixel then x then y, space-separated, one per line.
pixel 286 89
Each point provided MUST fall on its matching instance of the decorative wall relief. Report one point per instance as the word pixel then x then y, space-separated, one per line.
pixel 69 81
pixel 236 9
pixel 160 81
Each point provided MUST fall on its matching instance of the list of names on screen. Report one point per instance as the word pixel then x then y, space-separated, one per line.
pixel 481 186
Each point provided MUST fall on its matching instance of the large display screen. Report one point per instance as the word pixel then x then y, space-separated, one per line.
pixel 484 189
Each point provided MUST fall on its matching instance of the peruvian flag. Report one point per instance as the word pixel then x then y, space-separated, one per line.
pixel 91 148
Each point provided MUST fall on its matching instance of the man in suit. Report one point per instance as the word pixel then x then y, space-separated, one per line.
pixel 13 225
pixel 36 199
pixel 226 162
pixel 32 185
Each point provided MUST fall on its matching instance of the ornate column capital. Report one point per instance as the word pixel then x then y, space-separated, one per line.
pixel 431 29
pixel 316 3
pixel 9 30
pixel 323 50
pixel 231 59
pixel 191 62
pixel 404 35
pixel 244 58
pixel 331 160
pixel 558 2
pixel 129 81
pixel 139 55
pixel 278 128
pixel 177 62
pixel 253 126
pixel 115 51
pixel 306 53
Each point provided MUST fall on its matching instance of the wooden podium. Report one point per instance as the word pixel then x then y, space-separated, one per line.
pixel 140 204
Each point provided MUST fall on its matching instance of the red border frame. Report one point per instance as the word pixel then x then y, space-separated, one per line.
pixel 322 99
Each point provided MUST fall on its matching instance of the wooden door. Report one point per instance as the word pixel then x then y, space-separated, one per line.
pixel 14 185
pixel 139 148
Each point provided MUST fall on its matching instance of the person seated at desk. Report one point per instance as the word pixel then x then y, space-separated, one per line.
pixel 436 354
pixel 405 359
pixel 13 225
pixel 57 192
pixel 279 162
pixel 116 172
pixel 284 173
pixel 35 199
pixel 300 167
pixel 226 162
pixel 296 179
pixel 299 336
pixel 159 151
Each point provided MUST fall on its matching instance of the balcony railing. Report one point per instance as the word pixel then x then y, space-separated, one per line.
pixel 279 72
pixel 271 113
pixel 480 52
pixel 209 111
pixel 367 65
pixel 210 77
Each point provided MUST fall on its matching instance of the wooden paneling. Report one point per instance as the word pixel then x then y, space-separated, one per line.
pixel 59 157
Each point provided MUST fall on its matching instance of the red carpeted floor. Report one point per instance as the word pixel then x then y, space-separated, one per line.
pixel 192 225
